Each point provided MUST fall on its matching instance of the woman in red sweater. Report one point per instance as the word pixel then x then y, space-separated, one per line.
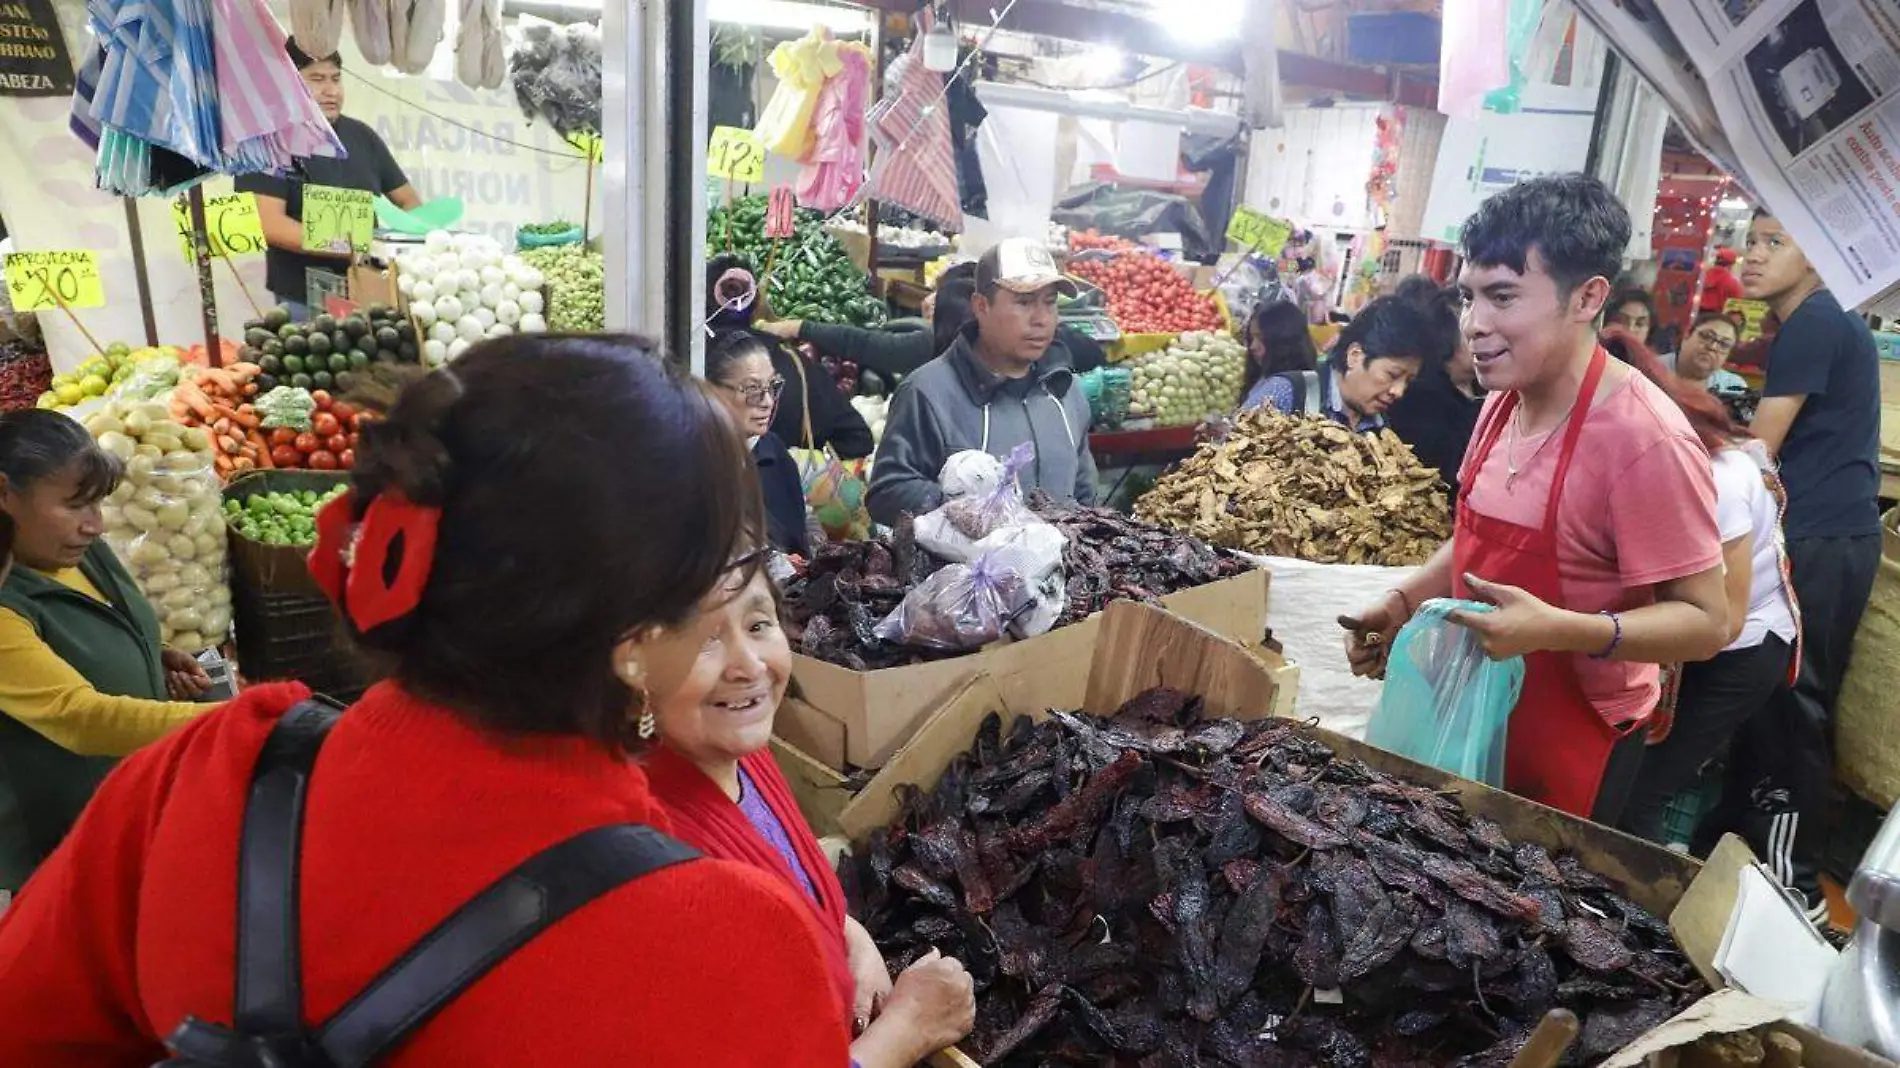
pixel 715 690
pixel 484 554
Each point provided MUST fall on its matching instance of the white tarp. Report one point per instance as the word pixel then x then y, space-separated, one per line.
pixel 1800 99
pixel 1303 610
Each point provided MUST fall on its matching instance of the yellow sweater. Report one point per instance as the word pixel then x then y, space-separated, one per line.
pixel 45 693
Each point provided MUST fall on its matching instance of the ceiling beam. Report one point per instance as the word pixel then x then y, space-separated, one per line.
pixel 1134 33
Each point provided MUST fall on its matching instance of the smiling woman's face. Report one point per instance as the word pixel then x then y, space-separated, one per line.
pixel 714 684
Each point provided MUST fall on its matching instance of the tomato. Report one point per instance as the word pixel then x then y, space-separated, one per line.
pixel 323 424
pixel 286 456
pixel 336 443
pixel 307 443
pixel 343 412
pixel 322 460
pixel 346 459
pixel 322 398
pixel 283 435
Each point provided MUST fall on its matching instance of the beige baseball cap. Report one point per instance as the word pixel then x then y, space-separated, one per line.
pixel 1021 265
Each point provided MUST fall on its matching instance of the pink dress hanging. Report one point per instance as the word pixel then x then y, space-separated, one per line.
pixel 835 169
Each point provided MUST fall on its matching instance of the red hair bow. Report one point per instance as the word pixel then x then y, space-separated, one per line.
pixel 352 562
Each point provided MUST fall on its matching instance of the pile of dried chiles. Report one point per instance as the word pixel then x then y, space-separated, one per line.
pixel 1160 890
pixel 1306 488
pixel 833 608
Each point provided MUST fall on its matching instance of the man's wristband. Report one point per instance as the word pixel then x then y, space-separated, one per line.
pixel 1616 638
pixel 1410 610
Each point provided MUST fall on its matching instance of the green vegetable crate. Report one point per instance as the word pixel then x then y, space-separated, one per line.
pixel 286 628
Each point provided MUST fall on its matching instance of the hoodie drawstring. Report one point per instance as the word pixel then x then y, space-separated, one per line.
pixel 986 429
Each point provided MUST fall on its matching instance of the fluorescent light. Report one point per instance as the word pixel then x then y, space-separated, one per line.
pixel 1213 22
pixel 789 15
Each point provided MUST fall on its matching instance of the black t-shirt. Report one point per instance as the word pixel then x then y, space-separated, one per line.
pixel 1830 460
pixel 368 166
pixel 1437 421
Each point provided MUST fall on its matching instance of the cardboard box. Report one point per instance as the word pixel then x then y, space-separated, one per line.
pixel 880 710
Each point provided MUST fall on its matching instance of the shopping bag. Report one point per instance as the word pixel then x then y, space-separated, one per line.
pixel 835 489
pixel 1445 702
pixel 802 67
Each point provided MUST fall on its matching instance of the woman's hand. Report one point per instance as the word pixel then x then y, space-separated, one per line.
pixel 869 976
pixel 185 678
pixel 783 329
pixel 932 1006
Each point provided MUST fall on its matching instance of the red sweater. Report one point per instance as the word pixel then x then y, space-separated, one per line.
pixel 129 927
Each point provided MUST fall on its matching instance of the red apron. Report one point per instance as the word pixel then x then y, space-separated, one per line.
pixel 1558 743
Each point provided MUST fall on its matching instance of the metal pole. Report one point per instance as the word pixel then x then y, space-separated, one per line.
pixel 689 38
pixel 207 289
pixel 139 274
pixel 623 181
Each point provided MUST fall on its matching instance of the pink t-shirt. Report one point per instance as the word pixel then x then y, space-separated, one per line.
pixel 1638 509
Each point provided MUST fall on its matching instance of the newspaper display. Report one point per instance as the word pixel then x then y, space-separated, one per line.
pixel 1800 101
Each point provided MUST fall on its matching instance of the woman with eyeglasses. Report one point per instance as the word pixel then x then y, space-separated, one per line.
pixel 739 367
pixel 1705 350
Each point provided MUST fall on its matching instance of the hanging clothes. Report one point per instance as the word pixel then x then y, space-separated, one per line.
pixel 834 171
pixel 270 118
pixel 915 167
pixel 967 114
pixel 802 67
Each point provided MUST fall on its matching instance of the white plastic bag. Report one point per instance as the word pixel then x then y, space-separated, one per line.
pixel 979 502
pixel 1035 551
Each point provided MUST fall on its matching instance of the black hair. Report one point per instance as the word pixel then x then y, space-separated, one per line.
pixel 1704 318
pixel 1387 328
pixel 955 290
pixel 6 543
pixel 303 60
pixel 38 443
pixel 1281 328
pixel 1632 295
pixel 1577 226
pixel 728 347
pixel 475 440
pixel 1441 307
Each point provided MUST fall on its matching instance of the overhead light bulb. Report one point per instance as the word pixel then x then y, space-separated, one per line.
pixel 1213 22
pixel 789 15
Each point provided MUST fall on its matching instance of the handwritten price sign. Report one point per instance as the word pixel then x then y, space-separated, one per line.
pixel 736 154
pixel 230 225
pixel 47 281
pixel 337 220
pixel 587 145
pixel 1257 230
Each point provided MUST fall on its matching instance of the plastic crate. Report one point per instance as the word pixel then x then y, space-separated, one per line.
pixel 275 568
pixel 297 637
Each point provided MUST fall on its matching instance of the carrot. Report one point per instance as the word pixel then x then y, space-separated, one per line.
pixel 221 427
pixel 250 389
pixel 244 372
pixel 194 398
pixel 244 463
pixel 222 379
pixel 229 445
pixel 245 416
pixel 223 465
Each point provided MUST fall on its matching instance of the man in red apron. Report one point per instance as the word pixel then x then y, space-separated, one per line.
pixel 1586 505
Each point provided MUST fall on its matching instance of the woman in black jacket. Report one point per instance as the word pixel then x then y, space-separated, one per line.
pixel 808 388
pixel 742 375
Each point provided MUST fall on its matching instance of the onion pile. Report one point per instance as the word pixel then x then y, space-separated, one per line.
pixel 462 288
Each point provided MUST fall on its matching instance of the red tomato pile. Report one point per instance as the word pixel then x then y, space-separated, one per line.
pixel 329 444
pixel 1091 240
pixel 1148 296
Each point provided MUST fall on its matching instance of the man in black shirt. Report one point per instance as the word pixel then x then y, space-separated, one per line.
pixel 280 200
pixel 1439 411
pixel 1820 414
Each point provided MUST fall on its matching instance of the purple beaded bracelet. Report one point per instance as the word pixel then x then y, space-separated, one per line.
pixel 1616 620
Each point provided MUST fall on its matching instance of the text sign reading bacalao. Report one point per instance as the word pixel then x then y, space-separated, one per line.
pixel 231 225
pixel 46 281
pixel 1258 231
pixel 337 220
pixel 33 59
pixel 736 154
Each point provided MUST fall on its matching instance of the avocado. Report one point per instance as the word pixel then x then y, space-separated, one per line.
pixel 277 318
pixel 324 324
pixel 247 354
pixel 273 347
pixel 339 340
pixel 300 381
pixel 345 382
pixel 341 362
pixel 408 352
pixel 380 311
pixel 365 345
pixel 253 324
pixel 293 365
pixel 266 383
pixel 290 330
pixel 406 332
pixel 271 365
pixel 296 346
pixel 256 337
pixel 322 380
pixel 319 344
pixel 356 326
pixel 387 338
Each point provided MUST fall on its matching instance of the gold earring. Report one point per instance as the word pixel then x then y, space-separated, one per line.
pixel 647 727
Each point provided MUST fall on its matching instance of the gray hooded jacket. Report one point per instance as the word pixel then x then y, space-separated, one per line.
pixel 954 403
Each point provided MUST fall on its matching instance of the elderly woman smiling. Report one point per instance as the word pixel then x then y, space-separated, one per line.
pixel 713 690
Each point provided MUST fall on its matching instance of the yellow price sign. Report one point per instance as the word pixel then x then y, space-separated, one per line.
pixel 231 225
pixel 736 154
pixel 1258 230
pixel 1750 312
pixel 47 281
pixel 587 145
pixel 337 220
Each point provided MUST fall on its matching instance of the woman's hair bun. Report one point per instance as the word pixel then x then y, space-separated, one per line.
pixel 405 450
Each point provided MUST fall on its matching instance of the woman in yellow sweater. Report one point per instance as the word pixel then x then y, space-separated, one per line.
pixel 83 679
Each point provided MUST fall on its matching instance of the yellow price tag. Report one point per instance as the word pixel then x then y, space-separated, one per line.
pixel 231 225
pixel 1257 230
pixel 587 145
pixel 337 220
pixel 735 154
pixel 1750 312
pixel 44 281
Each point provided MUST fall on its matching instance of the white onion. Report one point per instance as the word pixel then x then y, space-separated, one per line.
pixel 500 330
pixel 405 284
pixel 485 316
pixel 434 352
pixel 532 323
pixel 510 291
pixel 424 313
pixel 508 312
pixel 457 348
pixel 442 332
pixel 529 278
pixel 493 276
pixel 449 308
pixel 438 240
pixel 491 295
pixel 531 302
pixel 423 293
pixel 469 328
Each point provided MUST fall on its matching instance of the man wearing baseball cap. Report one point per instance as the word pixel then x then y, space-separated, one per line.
pixel 1000 384
pixel 1719 284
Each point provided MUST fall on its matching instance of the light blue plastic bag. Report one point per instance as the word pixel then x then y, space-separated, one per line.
pixel 1445 703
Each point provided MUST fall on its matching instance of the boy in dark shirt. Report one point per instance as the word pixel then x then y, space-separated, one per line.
pixel 1820 414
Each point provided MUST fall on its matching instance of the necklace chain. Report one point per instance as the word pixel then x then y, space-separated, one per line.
pixel 1510 447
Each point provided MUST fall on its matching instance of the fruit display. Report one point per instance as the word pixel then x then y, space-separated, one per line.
pixel 812 278
pixel 577 287
pixel 312 431
pixel 1095 241
pixel 165 519
pixel 218 400
pixel 1199 375
pixel 1166 888
pixel 26 374
pixel 461 288
pixel 326 352
pixel 1146 295
pixel 280 518
pixel 1286 485
pixel 97 376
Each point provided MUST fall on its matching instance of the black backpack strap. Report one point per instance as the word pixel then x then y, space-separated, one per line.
pixel 269 972
pixel 481 934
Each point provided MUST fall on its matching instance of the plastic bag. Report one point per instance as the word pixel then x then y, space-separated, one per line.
pixel 1445 702
pixel 1035 551
pixel 962 607
pixel 835 491
pixel 801 66
pixel 970 471
pixel 954 529
pixel 556 74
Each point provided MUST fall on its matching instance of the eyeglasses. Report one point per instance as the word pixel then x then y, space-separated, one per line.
pixel 756 396
pixel 1714 340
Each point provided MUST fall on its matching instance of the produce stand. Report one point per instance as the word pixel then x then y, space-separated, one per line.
pixel 1140 647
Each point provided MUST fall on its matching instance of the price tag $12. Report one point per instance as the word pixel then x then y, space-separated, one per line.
pixel 736 154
